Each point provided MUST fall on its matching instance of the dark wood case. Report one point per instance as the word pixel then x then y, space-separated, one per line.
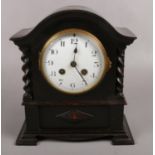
pixel 96 114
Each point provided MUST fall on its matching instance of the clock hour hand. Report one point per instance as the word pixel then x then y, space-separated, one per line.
pixel 75 51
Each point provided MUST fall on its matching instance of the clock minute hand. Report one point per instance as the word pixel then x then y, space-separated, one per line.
pixel 81 75
pixel 73 64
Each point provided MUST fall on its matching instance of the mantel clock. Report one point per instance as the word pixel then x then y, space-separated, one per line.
pixel 73 73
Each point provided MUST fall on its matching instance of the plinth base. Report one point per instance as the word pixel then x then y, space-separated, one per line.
pixel 118 137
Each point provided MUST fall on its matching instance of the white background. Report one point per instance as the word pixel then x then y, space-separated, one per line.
pixel 134 14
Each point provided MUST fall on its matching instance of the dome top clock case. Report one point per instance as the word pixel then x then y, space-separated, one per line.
pixel 74 69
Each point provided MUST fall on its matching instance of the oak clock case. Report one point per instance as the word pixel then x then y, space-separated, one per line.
pixel 74 69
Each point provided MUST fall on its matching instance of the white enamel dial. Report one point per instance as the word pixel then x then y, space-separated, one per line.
pixel 73 61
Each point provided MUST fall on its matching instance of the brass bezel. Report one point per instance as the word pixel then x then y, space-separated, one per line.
pixel 81 32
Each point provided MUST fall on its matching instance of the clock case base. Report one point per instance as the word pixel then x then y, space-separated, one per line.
pixel 118 137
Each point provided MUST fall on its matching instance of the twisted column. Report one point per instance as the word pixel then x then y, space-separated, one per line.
pixel 27 74
pixel 120 71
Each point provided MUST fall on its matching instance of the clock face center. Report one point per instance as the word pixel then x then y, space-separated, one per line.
pixel 73 64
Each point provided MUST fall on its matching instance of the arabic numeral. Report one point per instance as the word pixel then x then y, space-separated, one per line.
pixel 50 62
pixel 62 43
pixel 53 73
pixel 54 51
pixel 94 53
pixel 60 81
pixel 96 64
pixel 74 40
pixel 72 85
pixel 93 75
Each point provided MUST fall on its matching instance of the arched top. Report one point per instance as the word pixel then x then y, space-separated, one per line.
pixel 122 35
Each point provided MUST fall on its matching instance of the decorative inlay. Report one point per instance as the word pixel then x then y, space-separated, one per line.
pixel 75 116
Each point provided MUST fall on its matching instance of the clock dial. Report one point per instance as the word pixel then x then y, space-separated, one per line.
pixel 73 61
